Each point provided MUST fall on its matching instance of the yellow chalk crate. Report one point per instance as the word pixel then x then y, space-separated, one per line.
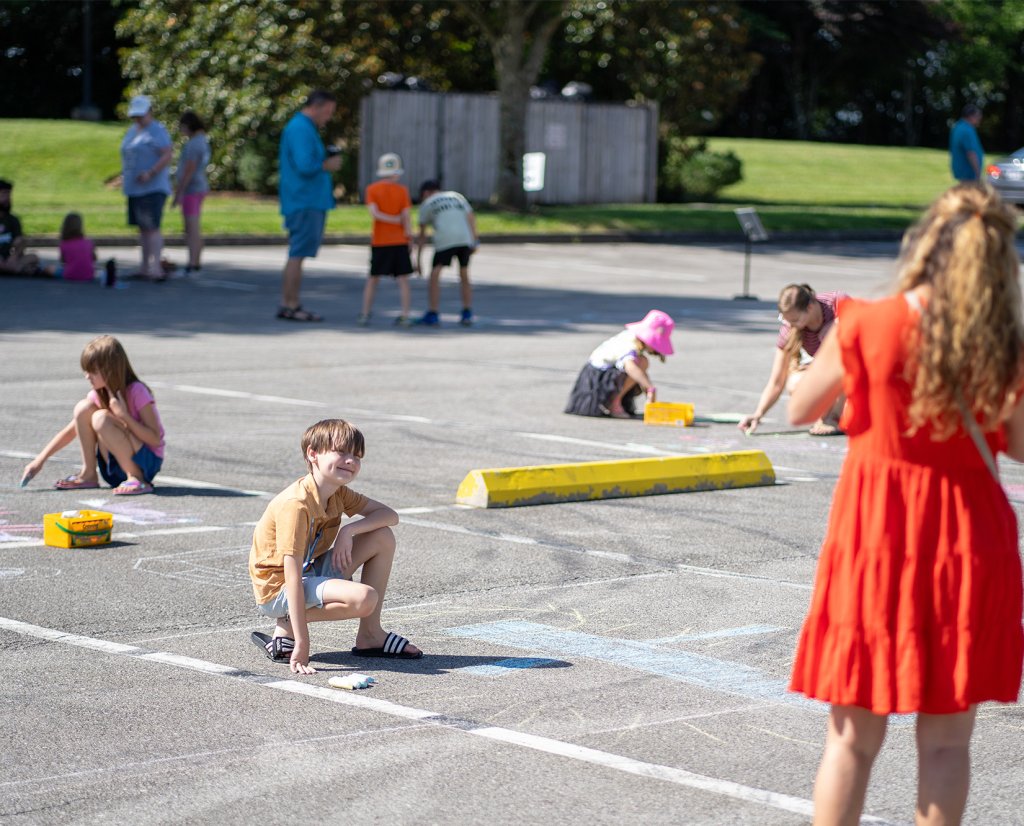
pixel 77 529
pixel 668 414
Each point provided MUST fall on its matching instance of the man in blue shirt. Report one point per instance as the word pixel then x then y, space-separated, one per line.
pixel 306 194
pixel 965 153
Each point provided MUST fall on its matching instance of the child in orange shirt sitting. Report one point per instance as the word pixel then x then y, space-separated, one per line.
pixel 391 242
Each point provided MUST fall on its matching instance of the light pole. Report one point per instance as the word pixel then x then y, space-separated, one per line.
pixel 86 110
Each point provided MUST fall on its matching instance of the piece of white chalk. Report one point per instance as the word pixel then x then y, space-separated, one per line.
pixel 351 682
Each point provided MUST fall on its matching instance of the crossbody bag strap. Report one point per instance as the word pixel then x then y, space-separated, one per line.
pixel 914 300
pixel 976 435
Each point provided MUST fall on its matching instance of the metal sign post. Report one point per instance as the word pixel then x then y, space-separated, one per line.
pixel 753 231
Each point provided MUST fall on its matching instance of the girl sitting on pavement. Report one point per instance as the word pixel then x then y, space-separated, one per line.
pixel 117 426
pixel 615 375
pixel 77 253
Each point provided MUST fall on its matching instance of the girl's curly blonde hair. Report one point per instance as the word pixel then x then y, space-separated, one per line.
pixel 970 341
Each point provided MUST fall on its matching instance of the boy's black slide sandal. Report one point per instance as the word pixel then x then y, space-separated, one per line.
pixel 278 649
pixel 393 649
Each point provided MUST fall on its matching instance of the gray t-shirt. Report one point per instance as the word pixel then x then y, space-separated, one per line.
pixel 140 150
pixel 196 149
pixel 448 213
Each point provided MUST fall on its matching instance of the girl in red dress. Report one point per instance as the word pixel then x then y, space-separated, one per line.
pixel 917 600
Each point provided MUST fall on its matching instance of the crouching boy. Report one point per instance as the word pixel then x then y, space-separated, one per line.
pixel 303 558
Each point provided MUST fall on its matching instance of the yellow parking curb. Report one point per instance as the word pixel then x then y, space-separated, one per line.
pixel 546 484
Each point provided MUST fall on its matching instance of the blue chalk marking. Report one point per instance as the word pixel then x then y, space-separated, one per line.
pixel 742 631
pixel 693 669
pixel 506 666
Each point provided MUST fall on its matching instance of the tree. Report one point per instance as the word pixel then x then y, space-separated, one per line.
pixel 41 58
pixel 691 58
pixel 245 66
pixel 841 70
pixel 518 34
pixel 984 64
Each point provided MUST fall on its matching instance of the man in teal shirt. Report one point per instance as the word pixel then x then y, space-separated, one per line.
pixel 306 194
pixel 965 153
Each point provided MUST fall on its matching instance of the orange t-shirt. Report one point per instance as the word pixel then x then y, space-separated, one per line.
pixel 391 198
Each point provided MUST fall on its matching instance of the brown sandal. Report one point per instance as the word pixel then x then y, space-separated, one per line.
pixel 297 314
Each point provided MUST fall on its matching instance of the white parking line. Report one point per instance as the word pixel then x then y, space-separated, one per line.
pixel 628 447
pixel 171 480
pixel 172 531
pixel 628 765
pixel 191 757
pixel 630 559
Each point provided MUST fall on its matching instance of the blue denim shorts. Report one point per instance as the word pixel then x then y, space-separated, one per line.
pixel 113 474
pixel 323 571
pixel 305 232
pixel 146 211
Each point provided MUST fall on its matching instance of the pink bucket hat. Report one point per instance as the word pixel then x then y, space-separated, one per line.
pixel 654 331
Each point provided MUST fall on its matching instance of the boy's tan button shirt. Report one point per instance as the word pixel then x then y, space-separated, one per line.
pixel 289 525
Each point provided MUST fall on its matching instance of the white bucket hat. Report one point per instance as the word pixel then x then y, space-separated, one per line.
pixel 140 105
pixel 389 164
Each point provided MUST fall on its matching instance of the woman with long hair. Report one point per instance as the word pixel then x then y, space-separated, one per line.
pixel 917 599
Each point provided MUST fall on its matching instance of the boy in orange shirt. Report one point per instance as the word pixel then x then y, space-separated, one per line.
pixel 391 242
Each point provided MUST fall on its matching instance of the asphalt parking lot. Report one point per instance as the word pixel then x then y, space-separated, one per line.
pixel 600 662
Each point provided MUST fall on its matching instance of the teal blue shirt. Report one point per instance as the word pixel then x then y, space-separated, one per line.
pixel 963 138
pixel 304 183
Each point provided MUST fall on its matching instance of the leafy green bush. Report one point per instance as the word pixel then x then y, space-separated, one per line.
pixel 256 168
pixel 689 170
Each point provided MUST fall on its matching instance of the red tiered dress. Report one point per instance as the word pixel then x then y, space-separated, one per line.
pixel 917 599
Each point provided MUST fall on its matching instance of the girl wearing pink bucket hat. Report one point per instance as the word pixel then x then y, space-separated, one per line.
pixel 616 372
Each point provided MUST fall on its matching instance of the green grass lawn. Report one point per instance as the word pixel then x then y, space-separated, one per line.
pixel 835 174
pixel 59 166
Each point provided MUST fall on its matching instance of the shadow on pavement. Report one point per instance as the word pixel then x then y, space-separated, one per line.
pixel 428 664
pixel 181 308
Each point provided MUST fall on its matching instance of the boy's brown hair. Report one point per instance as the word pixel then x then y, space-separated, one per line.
pixel 332 434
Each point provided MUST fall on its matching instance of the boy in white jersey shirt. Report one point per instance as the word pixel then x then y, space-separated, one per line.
pixel 455 236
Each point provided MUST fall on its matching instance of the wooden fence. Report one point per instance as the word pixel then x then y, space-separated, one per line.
pixel 595 153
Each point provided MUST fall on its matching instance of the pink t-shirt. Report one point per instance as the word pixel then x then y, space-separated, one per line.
pixel 138 396
pixel 77 255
